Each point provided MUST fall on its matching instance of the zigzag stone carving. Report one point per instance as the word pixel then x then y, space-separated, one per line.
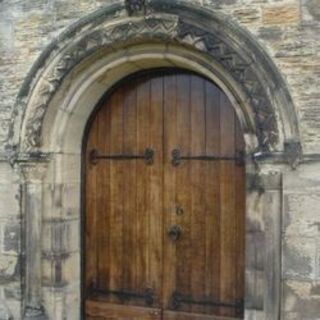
pixel 150 29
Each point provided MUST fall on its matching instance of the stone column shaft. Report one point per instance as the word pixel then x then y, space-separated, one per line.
pixel 32 204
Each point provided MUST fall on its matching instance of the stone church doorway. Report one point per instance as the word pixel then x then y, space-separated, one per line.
pixel 52 112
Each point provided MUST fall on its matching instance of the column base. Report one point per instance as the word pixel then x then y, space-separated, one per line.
pixel 35 313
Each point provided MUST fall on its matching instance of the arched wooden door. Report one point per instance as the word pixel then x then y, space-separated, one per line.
pixel 164 202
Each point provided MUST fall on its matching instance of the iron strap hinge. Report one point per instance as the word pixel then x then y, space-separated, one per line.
pixel 177 299
pixel 147 156
pixel 122 295
pixel 239 158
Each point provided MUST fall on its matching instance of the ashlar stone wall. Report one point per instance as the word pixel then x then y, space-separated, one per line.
pixel 289 30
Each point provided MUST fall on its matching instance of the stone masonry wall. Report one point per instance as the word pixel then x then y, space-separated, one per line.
pixel 289 30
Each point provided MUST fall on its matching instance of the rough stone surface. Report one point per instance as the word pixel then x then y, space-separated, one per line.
pixel 302 300
pixel 281 14
pixel 313 9
pixel 289 31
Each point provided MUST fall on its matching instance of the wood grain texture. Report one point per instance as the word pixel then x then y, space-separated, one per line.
pixel 228 245
pixel 169 218
pixel 172 315
pixel 131 206
pixel 97 310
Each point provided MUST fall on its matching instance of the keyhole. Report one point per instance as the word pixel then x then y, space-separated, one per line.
pixel 179 211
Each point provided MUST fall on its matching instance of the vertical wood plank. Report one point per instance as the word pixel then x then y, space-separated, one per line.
pixel 227 201
pixel 103 195
pixel 129 189
pixel 116 194
pixel 212 183
pixel 198 231
pixel 156 188
pixel 169 218
pixel 143 179
pixel 183 190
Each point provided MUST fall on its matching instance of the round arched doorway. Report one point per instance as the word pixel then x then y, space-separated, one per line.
pixel 164 208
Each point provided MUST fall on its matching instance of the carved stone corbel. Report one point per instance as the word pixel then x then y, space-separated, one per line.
pixel 293 153
pixel 135 7
pixel 33 174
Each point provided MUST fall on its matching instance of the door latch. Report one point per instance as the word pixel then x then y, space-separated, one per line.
pixel 174 232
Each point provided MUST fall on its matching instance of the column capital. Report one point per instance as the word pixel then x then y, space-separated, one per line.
pixel 33 171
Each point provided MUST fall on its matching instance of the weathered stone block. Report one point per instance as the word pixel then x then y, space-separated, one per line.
pixel 71 268
pixel 254 289
pixel 248 15
pixel 4 129
pixel 298 65
pixel 71 196
pixel 301 299
pixel 254 221
pixel 61 236
pixel 255 315
pixel 299 258
pixel 301 214
pixel 255 253
pixel 305 179
pixel 15 309
pixel 8 175
pixel 73 298
pixel 271 180
pixel 64 168
pixel 61 270
pixel 48 272
pixel 64 298
pixel 48 201
pixel 311 10
pixel 11 237
pixel 294 43
pixel 9 200
pixel 281 14
pixel 270 34
pixel 61 200
pixel 12 291
pixel 5 312
pixel 8 267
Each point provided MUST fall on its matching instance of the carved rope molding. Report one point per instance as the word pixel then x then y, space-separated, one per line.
pixel 168 30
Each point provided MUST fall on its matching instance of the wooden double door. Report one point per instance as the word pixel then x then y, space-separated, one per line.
pixel 164 202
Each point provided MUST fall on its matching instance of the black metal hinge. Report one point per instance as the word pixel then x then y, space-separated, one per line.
pixel 239 158
pixel 122 295
pixel 178 299
pixel 95 156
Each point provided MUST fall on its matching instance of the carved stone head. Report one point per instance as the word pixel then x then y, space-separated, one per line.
pixel 135 6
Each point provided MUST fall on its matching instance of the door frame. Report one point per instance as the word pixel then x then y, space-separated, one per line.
pixel 69 79
pixel 101 103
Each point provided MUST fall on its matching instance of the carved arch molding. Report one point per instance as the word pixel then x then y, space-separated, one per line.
pixel 167 21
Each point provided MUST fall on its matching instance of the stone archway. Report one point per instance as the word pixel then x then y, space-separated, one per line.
pixel 59 95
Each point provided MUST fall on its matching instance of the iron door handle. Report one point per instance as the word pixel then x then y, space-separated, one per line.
pixel 174 232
